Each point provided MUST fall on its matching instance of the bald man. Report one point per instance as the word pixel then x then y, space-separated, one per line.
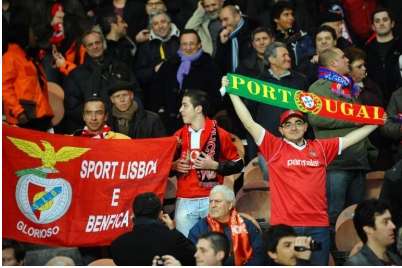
pixel 346 174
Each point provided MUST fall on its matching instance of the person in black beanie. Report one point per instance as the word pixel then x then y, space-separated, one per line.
pixel 335 21
pixel 151 226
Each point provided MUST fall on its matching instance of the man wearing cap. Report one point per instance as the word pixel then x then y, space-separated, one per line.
pixel 153 234
pixel 128 117
pixel 335 21
pixel 95 116
pixel 297 169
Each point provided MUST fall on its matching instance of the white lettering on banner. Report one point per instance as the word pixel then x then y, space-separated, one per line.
pixel 107 169
pixel 137 170
pixel 99 169
pixel 37 233
pixel 99 223
pixel 303 163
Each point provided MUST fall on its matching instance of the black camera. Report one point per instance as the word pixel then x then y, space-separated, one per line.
pixel 314 246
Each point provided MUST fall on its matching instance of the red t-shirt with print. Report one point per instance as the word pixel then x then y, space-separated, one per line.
pixel 297 179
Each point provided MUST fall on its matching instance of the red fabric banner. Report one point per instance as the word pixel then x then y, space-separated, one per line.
pixel 74 191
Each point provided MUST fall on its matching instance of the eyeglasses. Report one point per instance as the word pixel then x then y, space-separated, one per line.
pixel 288 125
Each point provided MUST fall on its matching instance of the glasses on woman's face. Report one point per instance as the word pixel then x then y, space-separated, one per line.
pixel 298 124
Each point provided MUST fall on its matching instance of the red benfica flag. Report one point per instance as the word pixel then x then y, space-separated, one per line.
pixel 74 191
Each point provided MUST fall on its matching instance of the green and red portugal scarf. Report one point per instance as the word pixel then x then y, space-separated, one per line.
pixel 306 102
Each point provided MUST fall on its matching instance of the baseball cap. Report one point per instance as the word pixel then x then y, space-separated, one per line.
pixel 290 113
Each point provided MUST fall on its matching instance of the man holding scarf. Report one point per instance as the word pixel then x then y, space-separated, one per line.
pixel 207 153
pixel 346 175
pixel 190 68
pixel 245 238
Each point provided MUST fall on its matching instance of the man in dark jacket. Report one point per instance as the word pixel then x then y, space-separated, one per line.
pixel 234 40
pixel 90 77
pixel 299 43
pixel 191 68
pixel 128 117
pixel 119 45
pixel 383 54
pixel 153 234
pixel 279 72
pixel 162 45
pixel 373 223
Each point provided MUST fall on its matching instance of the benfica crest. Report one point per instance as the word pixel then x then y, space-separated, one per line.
pixel 43 200
pixel 308 102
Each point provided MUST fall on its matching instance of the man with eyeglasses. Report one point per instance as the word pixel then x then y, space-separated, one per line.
pixel 297 170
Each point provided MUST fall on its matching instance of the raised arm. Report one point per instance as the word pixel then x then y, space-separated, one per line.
pixel 357 135
pixel 242 112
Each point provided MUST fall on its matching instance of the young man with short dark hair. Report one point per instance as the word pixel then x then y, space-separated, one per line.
pixel 95 117
pixel 284 247
pixel 213 249
pixel 373 223
pixel 153 234
pixel 383 54
pixel 207 154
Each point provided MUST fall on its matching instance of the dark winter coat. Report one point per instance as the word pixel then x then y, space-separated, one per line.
pixel 85 80
pixel 149 238
pixel 144 124
pixel 204 75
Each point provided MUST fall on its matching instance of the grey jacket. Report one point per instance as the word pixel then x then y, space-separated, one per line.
pixel 366 257
pixel 356 156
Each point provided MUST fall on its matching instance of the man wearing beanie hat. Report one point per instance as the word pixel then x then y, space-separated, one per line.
pixel 128 117
pixel 153 234
pixel 335 21
pixel 297 172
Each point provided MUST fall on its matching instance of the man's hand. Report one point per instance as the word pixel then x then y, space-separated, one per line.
pixel 169 260
pixel 22 118
pixel 165 218
pixel 165 260
pixel 224 35
pixel 181 165
pixel 58 57
pixel 204 161
pixel 303 242
pixel 200 6
pixel 142 36
pixel 225 81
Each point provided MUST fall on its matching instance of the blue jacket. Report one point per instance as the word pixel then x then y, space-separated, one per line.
pixel 255 238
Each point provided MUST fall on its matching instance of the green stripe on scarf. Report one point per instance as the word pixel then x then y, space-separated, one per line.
pixel 290 98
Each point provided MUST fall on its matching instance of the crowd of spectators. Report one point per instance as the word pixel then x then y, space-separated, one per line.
pixel 153 68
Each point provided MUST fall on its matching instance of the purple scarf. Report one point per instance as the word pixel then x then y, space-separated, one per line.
pixel 185 65
pixel 342 85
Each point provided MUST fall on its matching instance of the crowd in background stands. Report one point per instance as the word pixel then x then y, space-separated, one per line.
pixel 139 58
